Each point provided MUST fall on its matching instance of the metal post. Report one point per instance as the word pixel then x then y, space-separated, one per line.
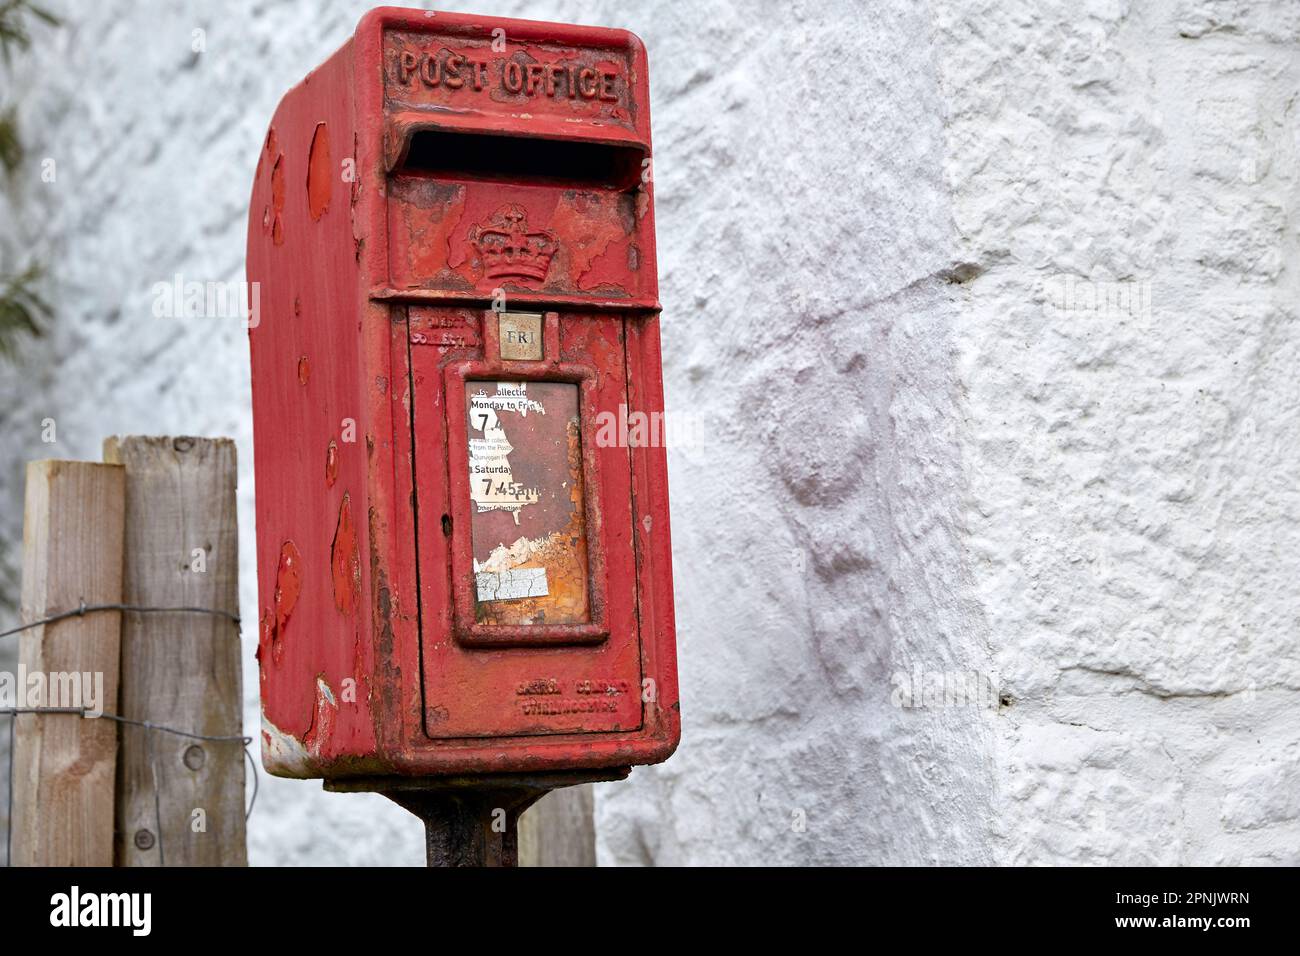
pixel 470 827
pixel 471 821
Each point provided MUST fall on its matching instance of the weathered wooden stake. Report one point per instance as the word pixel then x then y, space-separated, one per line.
pixel 63 764
pixel 180 801
pixel 559 829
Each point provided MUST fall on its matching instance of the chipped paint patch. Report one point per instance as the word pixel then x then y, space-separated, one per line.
pixel 325 691
pixel 284 755
pixel 331 464
pixel 288 585
pixel 277 200
pixel 345 560
pixel 322 719
pixel 549 567
pixel 320 173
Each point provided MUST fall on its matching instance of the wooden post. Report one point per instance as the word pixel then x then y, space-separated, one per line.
pixel 63 764
pixel 180 801
pixel 559 829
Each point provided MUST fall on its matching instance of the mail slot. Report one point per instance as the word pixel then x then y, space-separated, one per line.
pixel 461 569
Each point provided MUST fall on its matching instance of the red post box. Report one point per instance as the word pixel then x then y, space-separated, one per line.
pixel 463 562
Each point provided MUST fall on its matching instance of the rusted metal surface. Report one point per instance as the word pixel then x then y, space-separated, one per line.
pixel 457 236
pixel 472 827
pixel 483 175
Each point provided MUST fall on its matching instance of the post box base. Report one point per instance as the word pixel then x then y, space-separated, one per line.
pixel 472 821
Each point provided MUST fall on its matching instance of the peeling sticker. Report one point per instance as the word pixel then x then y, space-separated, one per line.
pixel 511 585
pixel 525 462
pixel 492 484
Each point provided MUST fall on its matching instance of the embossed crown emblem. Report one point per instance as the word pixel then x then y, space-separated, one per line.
pixel 507 248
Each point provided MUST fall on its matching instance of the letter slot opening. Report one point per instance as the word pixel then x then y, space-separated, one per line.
pixel 492 158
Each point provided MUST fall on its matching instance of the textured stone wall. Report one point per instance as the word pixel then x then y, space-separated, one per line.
pixel 988 310
pixel 1130 442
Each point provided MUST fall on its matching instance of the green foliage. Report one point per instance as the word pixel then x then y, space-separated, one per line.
pixel 14 34
pixel 21 308
pixel 11 148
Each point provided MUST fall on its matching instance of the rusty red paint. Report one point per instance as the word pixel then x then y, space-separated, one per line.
pixel 271 151
pixel 436 227
pixel 265 637
pixel 288 584
pixel 320 173
pixel 401 289
pixel 277 200
pixel 322 723
pixel 331 463
pixel 345 560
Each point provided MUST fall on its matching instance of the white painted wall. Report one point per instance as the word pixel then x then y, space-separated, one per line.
pixel 924 459
pixel 1130 516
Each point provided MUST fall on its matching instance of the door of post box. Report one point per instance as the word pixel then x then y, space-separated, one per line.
pixel 524 629
pixel 524 520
